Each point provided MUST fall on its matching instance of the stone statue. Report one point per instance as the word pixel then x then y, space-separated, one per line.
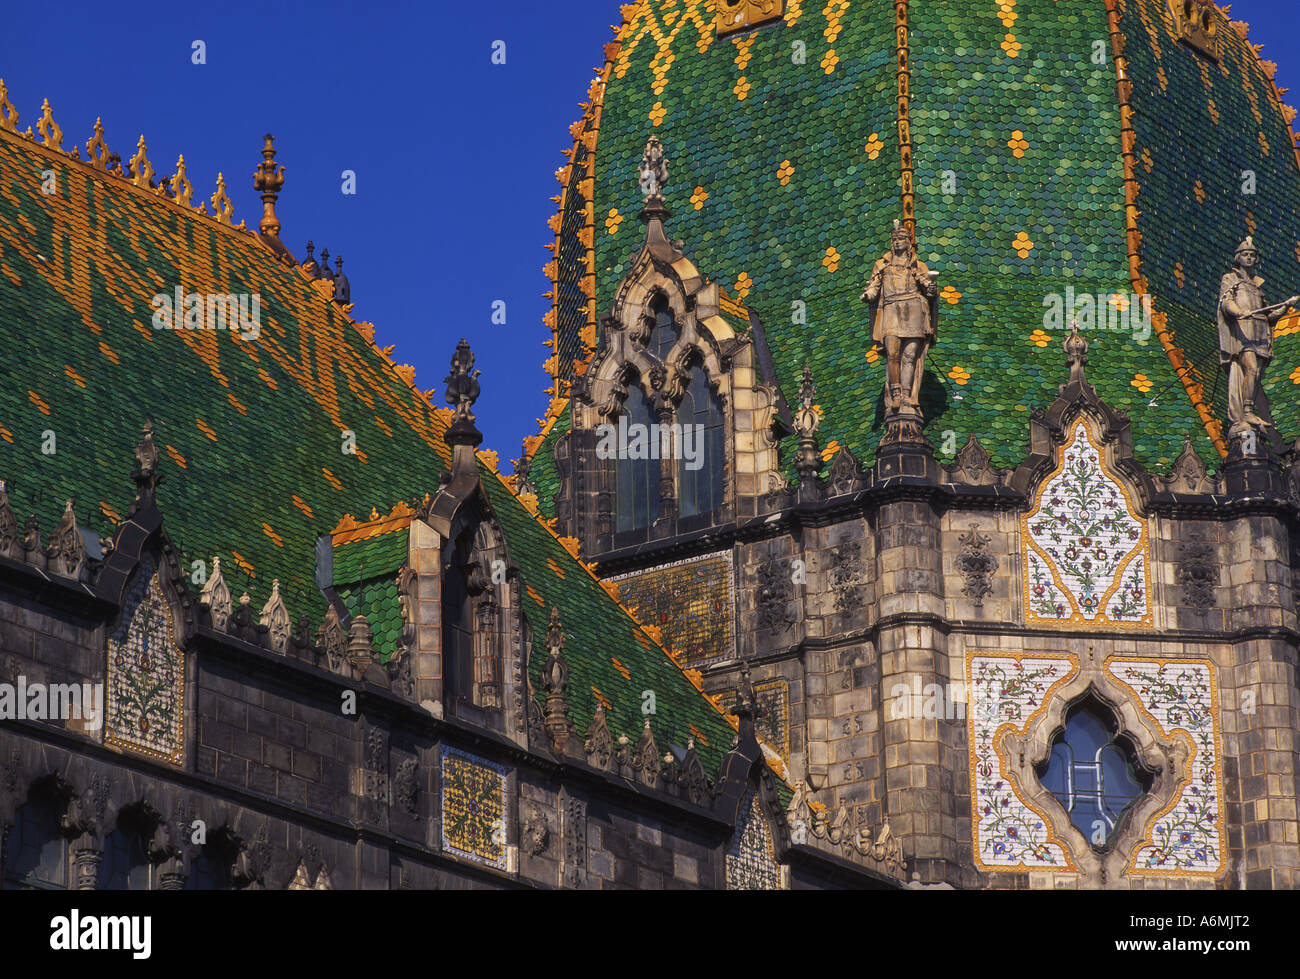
pixel 903 296
pixel 1246 337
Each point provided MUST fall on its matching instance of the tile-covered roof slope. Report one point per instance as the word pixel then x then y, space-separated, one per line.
pixel 786 178
pixel 1201 128
pixel 251 433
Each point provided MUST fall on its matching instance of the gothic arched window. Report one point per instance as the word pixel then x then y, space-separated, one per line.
pixel 1093 773
pixel 36 854
pixel 703 446
pixel 636 473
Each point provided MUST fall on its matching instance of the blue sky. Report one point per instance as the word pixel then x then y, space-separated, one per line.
pixel 454 156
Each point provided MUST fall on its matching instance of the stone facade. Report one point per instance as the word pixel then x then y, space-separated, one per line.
pixel 876 597
pixel 311 766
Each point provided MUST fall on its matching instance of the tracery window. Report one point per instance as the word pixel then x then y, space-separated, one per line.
pixel 702 423
pixel 1093 773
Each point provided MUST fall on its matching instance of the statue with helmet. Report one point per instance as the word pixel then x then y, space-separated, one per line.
pixel 1246 337
pixel 903 296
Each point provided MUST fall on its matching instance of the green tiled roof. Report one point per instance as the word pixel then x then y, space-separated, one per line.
pixel 732 113
pixel 376 599
pixel 251 433
pixel 1203 127
pixel 361 560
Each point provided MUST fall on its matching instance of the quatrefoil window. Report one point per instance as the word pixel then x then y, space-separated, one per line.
pixel 1094 773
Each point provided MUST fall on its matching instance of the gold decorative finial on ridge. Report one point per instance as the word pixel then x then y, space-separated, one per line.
pixel 8 114
pixel 51 134
pixel 222 209
pixel 181 187
pixel 141 168
pixel 97 150
pixel 268 179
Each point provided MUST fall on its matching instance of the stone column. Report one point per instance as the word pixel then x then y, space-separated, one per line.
pixel 921 752
pixel 87 855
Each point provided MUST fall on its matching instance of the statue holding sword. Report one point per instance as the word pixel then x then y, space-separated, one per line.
pixel 1246 337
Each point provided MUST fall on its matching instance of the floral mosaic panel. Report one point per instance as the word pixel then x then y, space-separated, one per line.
pixel 1087 554
pixel 473 808
pixel 751 861
pixel 146 675
pixel 691 602
pixel 1179 697
pixel 1006 691
pixel 773 721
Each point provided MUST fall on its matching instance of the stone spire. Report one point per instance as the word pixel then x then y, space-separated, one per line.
pixel 555 680
pixel 462 392
pixel 808 460
pixel 653 174
pixel 1076 354
pixel 145 475
pixel 268 179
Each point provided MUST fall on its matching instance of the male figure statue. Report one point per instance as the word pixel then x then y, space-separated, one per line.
pixel 904 306
pixel 1246 337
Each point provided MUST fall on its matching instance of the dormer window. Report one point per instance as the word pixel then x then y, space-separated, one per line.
pixel 731 16
pixel 1196 25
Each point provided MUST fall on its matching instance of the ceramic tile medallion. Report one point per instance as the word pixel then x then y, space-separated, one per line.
pixel 751 861
pixel 145 690
pixel 1006 691
pixel 473 808
pixel 691 602
pixel 1178 697
pixel 1086 552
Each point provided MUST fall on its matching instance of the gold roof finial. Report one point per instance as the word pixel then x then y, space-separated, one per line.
pixel 8 114
pixel 268 179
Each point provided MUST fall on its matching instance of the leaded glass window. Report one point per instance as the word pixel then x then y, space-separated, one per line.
pixel 1092 771
pixel 637 478
pixel 703 438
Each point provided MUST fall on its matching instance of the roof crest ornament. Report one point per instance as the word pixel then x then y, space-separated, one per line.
pixel 141 169
pixel 8 114
pixel 182 189
pixel 268 180
pixel 97 151
pixel 51 134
